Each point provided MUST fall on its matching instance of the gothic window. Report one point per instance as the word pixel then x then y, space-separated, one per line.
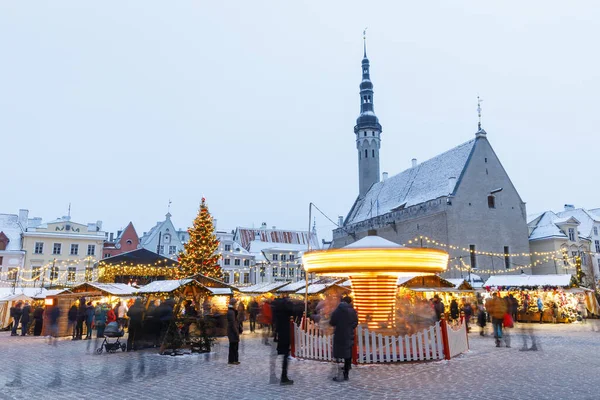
pixel 373 153
pixel 366 153
pixel 491 201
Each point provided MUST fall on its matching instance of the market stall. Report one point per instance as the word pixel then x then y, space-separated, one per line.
pixel 6 302
pixel 557 292
pixel 109 293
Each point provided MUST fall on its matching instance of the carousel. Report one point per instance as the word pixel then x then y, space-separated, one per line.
pixel 373 266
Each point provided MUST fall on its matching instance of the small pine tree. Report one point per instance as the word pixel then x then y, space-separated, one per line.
pixel 200 254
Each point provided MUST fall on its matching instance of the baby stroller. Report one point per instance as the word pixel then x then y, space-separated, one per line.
pixel 113 330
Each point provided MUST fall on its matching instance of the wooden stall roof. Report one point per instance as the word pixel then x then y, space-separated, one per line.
pixel 460 284
pixel 425 281
pixel 170 286
pixel 137 257
pixel 112 289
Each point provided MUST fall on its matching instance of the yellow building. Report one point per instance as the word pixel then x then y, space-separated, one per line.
pixel 61 252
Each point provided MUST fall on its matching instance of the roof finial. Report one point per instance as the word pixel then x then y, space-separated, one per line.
pixel 365 41
pixel 479 100
pixel 69 213
pixel 169 206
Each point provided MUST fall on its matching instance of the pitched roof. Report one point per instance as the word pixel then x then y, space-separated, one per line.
pixel 563 280
pixel 585 218
pixel 9 224
pixel 245 236
pixel 545 227
pixel 427 181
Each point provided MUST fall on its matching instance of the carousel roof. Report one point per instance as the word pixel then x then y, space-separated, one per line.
pixel 372 242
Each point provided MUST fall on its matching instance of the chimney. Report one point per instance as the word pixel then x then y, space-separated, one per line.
pixel 341 219
pixel 451 184
pixel 414 162
pixel 384 176
pixel 23 218
pixel 119 233
pixel 263 225
pixel 99 225
pixel 569 207
pixel 111 237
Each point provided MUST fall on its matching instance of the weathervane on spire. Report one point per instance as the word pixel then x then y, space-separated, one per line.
pixel 365 41
pixel 479 100
pixel 169 206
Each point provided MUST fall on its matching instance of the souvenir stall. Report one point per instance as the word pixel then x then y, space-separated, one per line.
pixel 427 286
pixel 6 302
pixel 64 301
pixel 557 292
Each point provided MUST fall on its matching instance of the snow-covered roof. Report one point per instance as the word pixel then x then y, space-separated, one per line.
pixel 372 242
pixel 164 286
pixel 9 224
pixel 546 227
pixel 245 236
pixel 292 287
pixel 403 279
pixel 34 293
pixel 116 289
pixel 456 282
pixel 15 297
pixel 316 288
pixel 586 220
pixel 563 280
pixel 427 181
pixel 219 290
pixel 263 287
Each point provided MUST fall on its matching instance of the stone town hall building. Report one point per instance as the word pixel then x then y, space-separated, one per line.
pixel 462 197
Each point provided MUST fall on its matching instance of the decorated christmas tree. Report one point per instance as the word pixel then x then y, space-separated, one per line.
pixel 200 255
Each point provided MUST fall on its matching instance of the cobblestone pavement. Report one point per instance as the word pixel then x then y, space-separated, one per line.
pixel 566 367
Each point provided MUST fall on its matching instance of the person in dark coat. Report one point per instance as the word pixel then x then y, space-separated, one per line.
pixel 89 319
pixel 25 318
pixel 38 320
pixel 136 316
pixel 454 313
pixel 16 312
pixel 81 316
pixel 72 319
pixel 100 317
pixel 344 319
pixel 233 332
pixel 283 310
pixel 253 309
pixel 438 307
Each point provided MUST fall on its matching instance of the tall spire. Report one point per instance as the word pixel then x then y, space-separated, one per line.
pixel 367 130
pixel 480 131
pixel 365 41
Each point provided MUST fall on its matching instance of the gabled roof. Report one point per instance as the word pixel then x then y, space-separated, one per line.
pixel 9 224
pixel 563 280
pixel 585 218
pixel 115 289
pixel 427 181
pixel 544 227
pixel 245 236
pixel 167 286
pixel 137 257
pixel 128 227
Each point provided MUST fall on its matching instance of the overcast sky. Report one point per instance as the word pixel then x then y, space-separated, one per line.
pixel 117 107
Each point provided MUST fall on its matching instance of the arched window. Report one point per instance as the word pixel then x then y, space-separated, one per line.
pixel 366 153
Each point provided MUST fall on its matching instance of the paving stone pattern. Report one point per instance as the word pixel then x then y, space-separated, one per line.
pixel 567 366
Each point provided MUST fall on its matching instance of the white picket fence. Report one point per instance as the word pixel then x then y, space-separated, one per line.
pixel 371 347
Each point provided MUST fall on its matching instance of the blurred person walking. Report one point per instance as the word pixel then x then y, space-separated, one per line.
pixel 344 320
pixel 136 316
pixel 496 307
pixel 481 319
pixel 54 316
pixel 81 316
pixel 540 305
pixel 16 312
pixel 25 318
pixel 283 310
pixel 38 320
pixel 454 313
pixel 100 318
pixel 253 313
pixel 233 332
pixel 72 321
pixel 89 320
pixel 438 307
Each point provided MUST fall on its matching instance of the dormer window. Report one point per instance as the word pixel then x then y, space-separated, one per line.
pixel 572 234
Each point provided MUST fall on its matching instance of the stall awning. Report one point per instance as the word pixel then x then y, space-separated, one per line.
pixel 34 293
pixel 524 280
pixel 261 288
pixel 218 290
